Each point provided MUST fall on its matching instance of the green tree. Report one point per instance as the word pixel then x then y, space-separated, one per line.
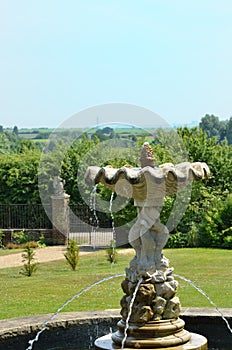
pixel 215 230
pixel 111 252
pixel 210 124
pixel 229 131
pixel 72 255
pixel 15 130
pixel 19 178
pixel 29 266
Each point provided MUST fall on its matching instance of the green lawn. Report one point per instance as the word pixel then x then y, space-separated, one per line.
pixel 54 283
pixel 10 251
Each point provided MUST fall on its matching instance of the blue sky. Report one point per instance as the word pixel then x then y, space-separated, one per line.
pixel 173 57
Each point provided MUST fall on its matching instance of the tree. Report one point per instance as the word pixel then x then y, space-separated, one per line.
pixel 19 178
pixel 229 131
pixel 216 226
pixel 29 266
pixel 210 124
pixel 107 130
pixel 15 130
pixel 72 255
pixel 1 129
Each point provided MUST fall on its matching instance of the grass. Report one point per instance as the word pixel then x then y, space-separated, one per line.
pixel 10 251
pixel 55 282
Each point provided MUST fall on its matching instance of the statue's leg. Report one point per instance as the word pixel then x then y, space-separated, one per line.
pixel 148 248
pixel 160 234
pixel 134 239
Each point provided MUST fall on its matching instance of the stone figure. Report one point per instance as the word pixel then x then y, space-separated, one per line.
pixel 156 299
pixel 58 185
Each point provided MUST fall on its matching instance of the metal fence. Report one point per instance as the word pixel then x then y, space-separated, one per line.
pixel 87 227
pixel 24 216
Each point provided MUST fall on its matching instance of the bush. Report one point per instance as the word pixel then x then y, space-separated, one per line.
pixel 41 242
pixel 193 236
pixel 72 255
pixel 111 252
pixel 227 240
pixel 1 239
pixel 28 257
pixel 22 237
pixel 216 227
pixel 177 240
pixel 32 244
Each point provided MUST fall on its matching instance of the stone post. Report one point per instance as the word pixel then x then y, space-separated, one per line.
pixel 60 213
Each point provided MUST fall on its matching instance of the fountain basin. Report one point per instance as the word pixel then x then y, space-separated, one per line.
pixel 78 330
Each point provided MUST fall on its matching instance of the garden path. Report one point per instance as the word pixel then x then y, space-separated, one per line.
pixel 41 255
pixel 44 255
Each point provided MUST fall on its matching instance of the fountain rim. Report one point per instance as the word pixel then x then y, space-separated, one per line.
pixel 28 324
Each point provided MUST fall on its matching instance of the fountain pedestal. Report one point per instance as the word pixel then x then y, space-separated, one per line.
pixel 150 309
pixel 154 334
pixel 196 342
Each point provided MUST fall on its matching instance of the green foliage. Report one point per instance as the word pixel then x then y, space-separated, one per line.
pixel 19 178
pixel 221 129
pixel 20 237
pixel 111 252
pixel 229 131
pixel 193 236
pixel 215 230
pixel 69 155
pixel 29 266
pixel 23 237
pixel 41 242
pixel 1 239
pixel 177 240
pixel 211 125
pixel 72 255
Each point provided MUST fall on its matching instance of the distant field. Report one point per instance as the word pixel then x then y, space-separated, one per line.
pixel 32 134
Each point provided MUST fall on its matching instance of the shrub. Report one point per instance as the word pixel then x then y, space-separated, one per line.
pixel 193 236
pixel 12 246
pixel 111 252
pixel 22 237
pixel 177 240
pixel 227 239
pixel 28 257
pixel 32 244
pixel 1 239
pixel 72 255
pixel 215 229
pixel 41 242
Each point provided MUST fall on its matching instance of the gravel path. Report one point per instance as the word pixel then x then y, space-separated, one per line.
pixel 43 255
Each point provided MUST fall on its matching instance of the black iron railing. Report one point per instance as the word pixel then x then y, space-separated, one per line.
pixel 24 216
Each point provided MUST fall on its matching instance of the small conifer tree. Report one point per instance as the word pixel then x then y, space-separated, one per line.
pixel 72 255
pixel 111 252
pixel 29 266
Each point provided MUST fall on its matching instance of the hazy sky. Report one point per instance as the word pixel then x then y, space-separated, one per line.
pixel 59 57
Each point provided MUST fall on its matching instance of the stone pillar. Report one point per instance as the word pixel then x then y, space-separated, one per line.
pixel 60 218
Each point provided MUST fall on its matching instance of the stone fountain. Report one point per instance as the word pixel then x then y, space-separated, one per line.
pixel 153 320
